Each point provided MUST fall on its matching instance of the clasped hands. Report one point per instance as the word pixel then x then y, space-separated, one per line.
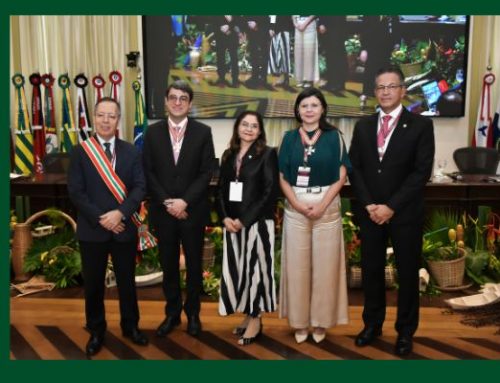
pixel 112 221
pixel 310 210
pixel 379 214
pixel 176 207
pixel 232 225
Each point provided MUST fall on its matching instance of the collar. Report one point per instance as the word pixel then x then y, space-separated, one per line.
pixel 394 114
pixel 102 141
pixel 182 124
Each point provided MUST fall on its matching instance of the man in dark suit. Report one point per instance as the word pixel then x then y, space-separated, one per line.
pixel 227 31
pixel 391 155
pixel 104 224
pixel 257 29
pixel 333 33
pixel 178 161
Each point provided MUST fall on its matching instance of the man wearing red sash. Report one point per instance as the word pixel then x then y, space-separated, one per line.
pixel 178 160
pixel 106 184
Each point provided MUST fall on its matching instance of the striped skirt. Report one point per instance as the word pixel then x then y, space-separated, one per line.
pixel 247 283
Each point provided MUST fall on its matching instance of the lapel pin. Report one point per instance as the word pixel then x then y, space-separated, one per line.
pixel 404 125
pixel 250 156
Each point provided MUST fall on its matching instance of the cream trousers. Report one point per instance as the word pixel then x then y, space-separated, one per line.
pixel 313 284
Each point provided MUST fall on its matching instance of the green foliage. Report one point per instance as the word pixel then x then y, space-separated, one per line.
pixel 406 54
pixel 438 224
pixel 353 45
pixel 351 240
pixel 55 256
pixel 148 261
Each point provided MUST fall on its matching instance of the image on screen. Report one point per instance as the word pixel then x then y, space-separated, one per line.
pixel 432 93
pixel 240 62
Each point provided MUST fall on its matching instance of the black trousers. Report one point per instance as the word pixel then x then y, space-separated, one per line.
pixel 94 263
pixel 407 243
pixel 171 234
pixel 229 43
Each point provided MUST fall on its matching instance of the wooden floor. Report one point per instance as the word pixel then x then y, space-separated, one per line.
pixel 53 329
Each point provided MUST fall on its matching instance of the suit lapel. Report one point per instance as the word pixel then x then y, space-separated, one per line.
pixel 248 157
pixel 169 153
pixel 119 156
pixel 372 135
pixel 188 138
pixel 397 135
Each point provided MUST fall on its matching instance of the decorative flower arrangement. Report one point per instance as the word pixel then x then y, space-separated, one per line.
pixel 353 45
pixel 404 54
pixel 55 256
pixel 450 235
pixel 351 240
pixel 211 284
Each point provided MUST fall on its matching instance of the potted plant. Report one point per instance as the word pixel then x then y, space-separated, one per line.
pixel 411 58
pixel 352 245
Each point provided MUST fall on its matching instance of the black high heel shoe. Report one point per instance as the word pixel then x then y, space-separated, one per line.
pixel 242 327
pixel 239 331
pixel 246 341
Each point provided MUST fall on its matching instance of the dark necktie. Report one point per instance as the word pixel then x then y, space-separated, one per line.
pixel 107 151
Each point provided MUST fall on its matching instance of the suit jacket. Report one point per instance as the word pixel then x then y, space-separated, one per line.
pixel 259 174
pixel 188 179
pixel 399 179
pixel 92 198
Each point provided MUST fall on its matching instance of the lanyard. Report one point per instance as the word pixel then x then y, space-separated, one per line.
pixel 308 143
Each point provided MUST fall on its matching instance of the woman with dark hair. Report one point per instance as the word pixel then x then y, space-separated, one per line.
pixel 247 192
pixel 313 165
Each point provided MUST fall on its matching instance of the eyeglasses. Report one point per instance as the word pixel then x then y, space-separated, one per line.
pixel 174 99
pixel 111 116
pixel 390 88
pixel 251 126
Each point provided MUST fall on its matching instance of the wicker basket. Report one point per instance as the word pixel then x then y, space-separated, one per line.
pixel 208 259
pixel 354 279
pixel 411 69
pixel 23 238
pixel 448 273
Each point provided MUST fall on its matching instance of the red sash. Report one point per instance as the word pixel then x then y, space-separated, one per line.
pixel 117 188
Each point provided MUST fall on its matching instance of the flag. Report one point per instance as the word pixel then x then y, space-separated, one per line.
pixel 49 119
pixel 84 127
pixel 37 122
pixel 141 120
pixel 98 82
pixel 23 161
pixel 496 126
pixel 69 137
pixel 483 135
pixel 116 78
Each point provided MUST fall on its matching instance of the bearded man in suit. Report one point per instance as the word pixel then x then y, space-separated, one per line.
pixel 178 159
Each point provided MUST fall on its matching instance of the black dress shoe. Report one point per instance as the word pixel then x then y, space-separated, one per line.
pixel 94 344
pixel 367 336
pixel 136 336
pixel 194 325
pixel 404 345
pixel 168 325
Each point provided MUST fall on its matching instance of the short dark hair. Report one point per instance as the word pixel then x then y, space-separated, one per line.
pixel 108 99
pixel 235 142
pixel 180 85
pixel 310 92
pixel 391 69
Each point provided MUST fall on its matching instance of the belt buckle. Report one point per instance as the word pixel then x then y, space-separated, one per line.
pixel 314 189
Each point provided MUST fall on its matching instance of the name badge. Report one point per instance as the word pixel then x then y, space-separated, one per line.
pixel 303 176
pixel 236 191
